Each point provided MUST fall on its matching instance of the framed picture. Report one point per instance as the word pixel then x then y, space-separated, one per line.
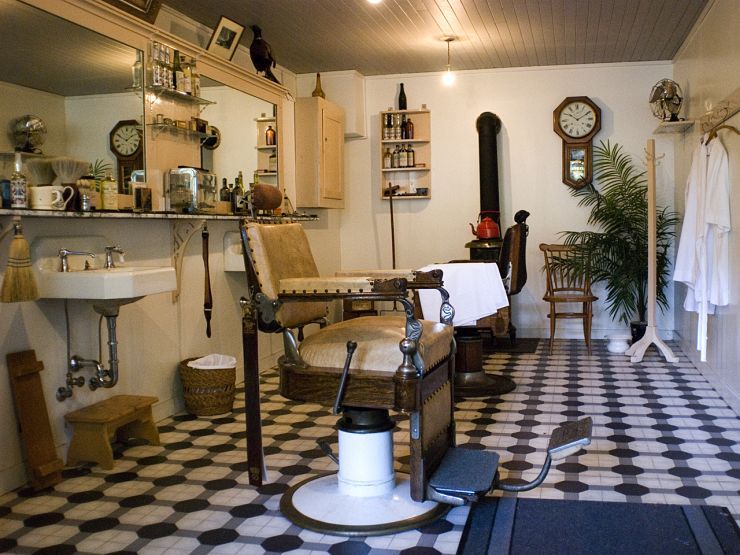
pixel 225 38
pixel 144 9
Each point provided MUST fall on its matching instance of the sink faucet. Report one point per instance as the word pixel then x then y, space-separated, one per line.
pixel 64 253
pixel 109 255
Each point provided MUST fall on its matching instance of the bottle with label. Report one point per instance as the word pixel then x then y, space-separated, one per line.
pixel 387 159
pixel 396 127
pixel 403 157
pixel 194 78
pixel 177 75
pixel 404 134
pixel 109 192
pixel 388 127
pixel 187 81
pixel 237 203
pixel 269 136
pixel 272 163
pixel 409 129
pixel 395 163
pixel 18 185
pixel 402 99
pixel 410 157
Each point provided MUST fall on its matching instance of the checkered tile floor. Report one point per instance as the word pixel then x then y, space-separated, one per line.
pixel 661 435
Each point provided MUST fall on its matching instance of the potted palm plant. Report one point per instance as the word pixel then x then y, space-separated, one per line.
pixel 615 251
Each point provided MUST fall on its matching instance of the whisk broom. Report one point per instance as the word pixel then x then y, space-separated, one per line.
pixel 19 283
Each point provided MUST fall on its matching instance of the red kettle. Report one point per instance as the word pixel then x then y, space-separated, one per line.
pixel 487 227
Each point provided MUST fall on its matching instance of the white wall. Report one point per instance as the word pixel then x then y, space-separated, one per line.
pixel 436 230
pixel 707 69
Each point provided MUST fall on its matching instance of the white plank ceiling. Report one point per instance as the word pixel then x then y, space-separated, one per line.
pixel 404 36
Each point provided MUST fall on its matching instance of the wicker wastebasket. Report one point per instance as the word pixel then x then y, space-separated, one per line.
pixel 208 391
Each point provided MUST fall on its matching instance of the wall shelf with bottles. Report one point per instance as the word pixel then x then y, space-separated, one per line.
pixel 164 92
pixel 267 148
pixel 406 153
pixel 666 127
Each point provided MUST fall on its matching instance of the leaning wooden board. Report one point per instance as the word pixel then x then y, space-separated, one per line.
pixel 44 466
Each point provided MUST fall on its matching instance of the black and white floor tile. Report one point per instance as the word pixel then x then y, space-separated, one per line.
pixel 661 435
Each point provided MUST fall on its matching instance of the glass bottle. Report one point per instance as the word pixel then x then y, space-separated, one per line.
pixel 186 83
pixel 409 129
pixel 396 157
pixel 194 78
pixel 287 207
pixel 269 135
pixel 109 192
pixel 404 132
pixel 410 157
pixel 396 127
pixel 18 185
pixel 225 195
pixel 387 126
pixel 136 71
pixel 402 157
pixel 387 159
pixel 237 196
pixel 177 74
pixel 402 99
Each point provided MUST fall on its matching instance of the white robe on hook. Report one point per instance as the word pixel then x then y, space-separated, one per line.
pixel 703 258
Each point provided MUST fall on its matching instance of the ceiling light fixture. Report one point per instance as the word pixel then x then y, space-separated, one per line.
pixel 449 77
pixel 374 1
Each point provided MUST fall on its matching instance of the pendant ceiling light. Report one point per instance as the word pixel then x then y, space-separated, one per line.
pixel 448 78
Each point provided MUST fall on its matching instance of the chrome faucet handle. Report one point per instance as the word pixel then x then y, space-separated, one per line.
pixel 109 250
pixel 64 253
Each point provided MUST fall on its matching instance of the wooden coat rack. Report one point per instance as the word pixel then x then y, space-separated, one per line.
pixel 637 350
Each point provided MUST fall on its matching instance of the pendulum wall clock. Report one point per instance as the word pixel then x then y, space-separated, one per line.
pixel 127 144
pixel 577 119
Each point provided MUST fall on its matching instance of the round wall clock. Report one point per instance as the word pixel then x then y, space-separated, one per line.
pixel 577 119
pixel 127 144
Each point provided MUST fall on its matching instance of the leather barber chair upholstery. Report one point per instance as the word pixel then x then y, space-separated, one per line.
pixel 363 368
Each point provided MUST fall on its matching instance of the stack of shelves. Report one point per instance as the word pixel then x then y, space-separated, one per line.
pixel 413 182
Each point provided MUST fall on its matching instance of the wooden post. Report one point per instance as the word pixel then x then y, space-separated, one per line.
pixel 637 350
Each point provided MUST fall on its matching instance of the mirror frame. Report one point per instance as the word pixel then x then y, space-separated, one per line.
pixel 127 29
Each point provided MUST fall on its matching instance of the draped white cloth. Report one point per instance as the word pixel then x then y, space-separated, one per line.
pixel 703 260
pixel 476 291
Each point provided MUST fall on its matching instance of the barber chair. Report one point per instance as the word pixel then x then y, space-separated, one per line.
pixel 364 368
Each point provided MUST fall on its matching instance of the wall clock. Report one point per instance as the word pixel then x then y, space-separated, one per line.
pixel 126 143
pixel 577 119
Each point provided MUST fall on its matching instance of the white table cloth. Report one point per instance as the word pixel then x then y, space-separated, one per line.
pixel 476 291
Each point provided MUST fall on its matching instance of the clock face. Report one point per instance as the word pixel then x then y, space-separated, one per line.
pixel 577 119
pixel 126 140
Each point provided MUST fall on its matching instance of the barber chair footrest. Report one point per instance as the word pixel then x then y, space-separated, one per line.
pixel 463 475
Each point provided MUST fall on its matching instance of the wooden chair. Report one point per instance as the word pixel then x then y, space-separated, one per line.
pixel 565 288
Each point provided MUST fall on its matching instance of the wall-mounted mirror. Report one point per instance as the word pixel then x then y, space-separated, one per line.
pixel 247 128
pixel 78 82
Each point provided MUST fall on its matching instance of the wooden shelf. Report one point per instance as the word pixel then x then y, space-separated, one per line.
pixel 665 127
pixel 416 177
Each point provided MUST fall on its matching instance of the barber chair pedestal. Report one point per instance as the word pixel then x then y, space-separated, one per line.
pixel 365 497
pixel 470 378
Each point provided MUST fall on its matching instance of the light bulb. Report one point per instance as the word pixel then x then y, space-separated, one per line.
pixel 448 77
pixel 374 1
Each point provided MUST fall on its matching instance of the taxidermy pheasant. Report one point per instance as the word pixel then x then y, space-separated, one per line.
pixel 261 55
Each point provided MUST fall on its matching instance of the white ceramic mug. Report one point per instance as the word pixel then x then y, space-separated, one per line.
pixel 45 197
pixel 65 195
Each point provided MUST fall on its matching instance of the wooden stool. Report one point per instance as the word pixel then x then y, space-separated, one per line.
pixel 126 416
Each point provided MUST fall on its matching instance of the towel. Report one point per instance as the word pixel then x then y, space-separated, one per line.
pixel 476 291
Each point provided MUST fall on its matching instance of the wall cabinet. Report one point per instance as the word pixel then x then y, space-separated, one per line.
pixel 319 131
pixel 413 178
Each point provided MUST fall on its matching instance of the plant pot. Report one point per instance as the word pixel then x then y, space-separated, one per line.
pixel 637 329
pixel 617 343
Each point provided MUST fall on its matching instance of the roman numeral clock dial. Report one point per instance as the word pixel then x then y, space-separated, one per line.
pixel 577 119
pixel 126 143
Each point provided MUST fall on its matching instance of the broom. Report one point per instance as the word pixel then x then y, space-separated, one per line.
pixel 19 283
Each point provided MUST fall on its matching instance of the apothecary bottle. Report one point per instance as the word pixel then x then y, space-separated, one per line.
pixel 109 192
pixel 409 129
pixel 269 136
pixel 387 159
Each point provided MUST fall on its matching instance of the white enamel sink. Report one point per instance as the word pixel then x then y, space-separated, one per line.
pixel 120 283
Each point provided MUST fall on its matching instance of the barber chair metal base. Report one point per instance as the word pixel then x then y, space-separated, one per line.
pixel 317 504
pixel 470 378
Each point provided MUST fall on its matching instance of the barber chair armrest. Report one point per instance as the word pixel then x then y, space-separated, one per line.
pixel 414 278
pixel 328 288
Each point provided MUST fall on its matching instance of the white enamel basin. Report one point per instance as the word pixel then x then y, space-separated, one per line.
pixel 120 283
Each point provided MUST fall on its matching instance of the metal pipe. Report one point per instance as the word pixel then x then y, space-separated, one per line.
pixel 109 377
pixel 488 126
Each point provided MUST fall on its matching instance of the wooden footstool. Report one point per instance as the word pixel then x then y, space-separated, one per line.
pixel 127 416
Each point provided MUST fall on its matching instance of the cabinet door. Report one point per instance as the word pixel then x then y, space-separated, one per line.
pixel 332 146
